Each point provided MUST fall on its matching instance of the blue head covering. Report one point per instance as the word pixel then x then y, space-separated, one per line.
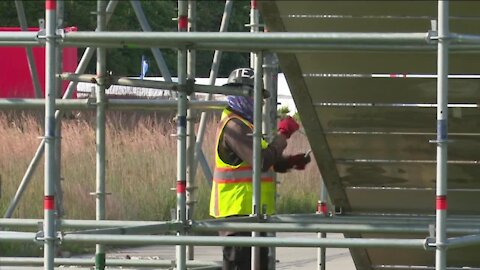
pixel 242 105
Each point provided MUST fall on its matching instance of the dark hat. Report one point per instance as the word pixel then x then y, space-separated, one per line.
pixel 244 76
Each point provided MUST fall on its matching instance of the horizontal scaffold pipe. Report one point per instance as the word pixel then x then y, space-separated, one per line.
pixel 19 37
pixel 331 228
pixel 33 261
pixel 125 81
pixel 465 38
pixel 37 103
pixel 158 104
pixel 81 223
pixel 370 219
pixel 227 241
pixel 244 41
pixel 240 40
pixel 178 39
pixel 299 223
pixel 112 104
pixel 463 241
pixel 142 229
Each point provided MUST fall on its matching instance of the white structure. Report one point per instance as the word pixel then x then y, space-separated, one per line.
pixel 84 89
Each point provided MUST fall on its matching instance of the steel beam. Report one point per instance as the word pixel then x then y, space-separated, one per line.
pixel 442 136
pixel 32 261
pixel 100 172
pixel 112 104
pixel 49 229
pixel 227 241
pixel 181 87
pixel 180 250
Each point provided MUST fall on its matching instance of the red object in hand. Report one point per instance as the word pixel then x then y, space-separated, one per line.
pixel 299 161
pixel 288 126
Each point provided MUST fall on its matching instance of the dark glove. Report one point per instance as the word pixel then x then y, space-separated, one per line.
pixel 288 126
pixel 299 161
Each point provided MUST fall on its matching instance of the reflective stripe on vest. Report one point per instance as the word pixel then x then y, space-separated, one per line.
pixel 232 188
pixel 240 175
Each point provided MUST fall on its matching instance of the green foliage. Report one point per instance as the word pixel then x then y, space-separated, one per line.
pixel 283 111
pixel 296 116
pixel 159 14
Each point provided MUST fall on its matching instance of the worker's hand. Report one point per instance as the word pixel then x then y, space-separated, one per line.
pixel 288 126
pixel 299 161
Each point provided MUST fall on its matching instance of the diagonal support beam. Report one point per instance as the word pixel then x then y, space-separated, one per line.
pixel 157 54
pixel 31 60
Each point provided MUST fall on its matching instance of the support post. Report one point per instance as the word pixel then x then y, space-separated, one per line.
pixel 257 153
pixel 49 229
pixel 58 127
pixel 254 22
pixel 191 71
pixel 181 135
pixel 270 78
pixel 100 133
pixel 322 209
pixel 442 136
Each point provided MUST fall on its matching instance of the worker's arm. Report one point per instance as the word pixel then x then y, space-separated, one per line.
pixel 237 140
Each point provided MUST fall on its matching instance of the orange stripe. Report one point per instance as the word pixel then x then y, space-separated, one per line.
pixel 241 180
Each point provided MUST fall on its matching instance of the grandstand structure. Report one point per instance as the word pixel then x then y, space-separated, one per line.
pixel 384 89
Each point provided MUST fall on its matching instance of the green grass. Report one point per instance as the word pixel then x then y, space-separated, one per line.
pixel 140 171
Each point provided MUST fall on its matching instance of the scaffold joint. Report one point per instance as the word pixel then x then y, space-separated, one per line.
pixel 40 238
pixel 439 141
pixel 429 243
pixel 102 80
pixel 98 194
pixel 188 87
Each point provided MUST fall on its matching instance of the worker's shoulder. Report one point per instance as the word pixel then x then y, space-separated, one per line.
pixel 237 124
pixel 236 121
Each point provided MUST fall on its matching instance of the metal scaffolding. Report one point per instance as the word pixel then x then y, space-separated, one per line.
pixel 101 231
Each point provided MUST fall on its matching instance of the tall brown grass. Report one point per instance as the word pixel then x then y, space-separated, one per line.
pixel 140 170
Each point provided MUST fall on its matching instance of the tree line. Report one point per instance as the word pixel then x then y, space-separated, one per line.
pixel 159 14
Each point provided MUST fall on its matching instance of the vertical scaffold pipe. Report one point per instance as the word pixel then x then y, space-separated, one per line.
pixel 191 62
pixel 58 127
pixel 49 181
pixel 270 78
pixel 442 136
pixel 257 153
pixel 100 133
pixel 254 23
pixel 181 134
pixel 322 209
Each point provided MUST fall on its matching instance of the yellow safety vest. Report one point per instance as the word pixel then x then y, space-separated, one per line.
pixel 232 188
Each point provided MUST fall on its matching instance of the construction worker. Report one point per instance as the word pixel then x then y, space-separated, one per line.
pixel 232 188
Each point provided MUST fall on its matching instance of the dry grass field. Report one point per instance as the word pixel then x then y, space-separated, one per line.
pixel 141 161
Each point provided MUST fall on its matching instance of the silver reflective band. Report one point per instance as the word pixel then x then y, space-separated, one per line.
pixel 236 174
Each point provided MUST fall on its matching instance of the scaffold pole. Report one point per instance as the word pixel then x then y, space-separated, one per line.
pixel 49 228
